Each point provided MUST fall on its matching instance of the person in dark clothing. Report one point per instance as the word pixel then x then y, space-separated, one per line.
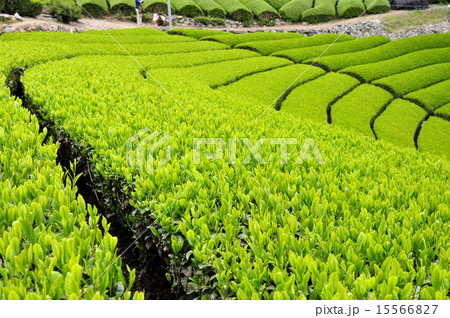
pixel 139 11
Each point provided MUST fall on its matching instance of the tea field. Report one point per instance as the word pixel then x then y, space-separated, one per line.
pixel 365 213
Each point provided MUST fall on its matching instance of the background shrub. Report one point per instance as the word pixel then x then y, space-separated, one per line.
pixel 211 8
pixel 323 11
pixel 124 6
pixel 236 10
pixel 187 8
pixel 377 6
pixel 96 8
pixel 292 11
pixel 159 6
pixel 65 10
pixel 262 10
pixel 25 8
pixel 347 10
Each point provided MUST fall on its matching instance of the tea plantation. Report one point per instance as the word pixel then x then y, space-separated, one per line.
pixel 362 213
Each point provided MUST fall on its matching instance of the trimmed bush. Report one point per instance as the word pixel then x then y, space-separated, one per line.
pixel 266 87
pixel 292 11
pixel 357 108
pixel 302 54
pixel 434 136
pixel 410 61
pixel 211 8
pixel 159 6
pixel 377 6
pixel 398 123
pixel 432 97
pixel 311 99
pixel 235 39
pixel 236 10
pixel 125 6
pixel 65 10
pixel 187 8
pixel 385 51
pixel 95 8
pixel 402 84
pixel 262 10
pixel 277 4
pixel 26 8
pixel 269 47
pixel 223 73
pixel 443 111
pixel 351 9
pixel 323 11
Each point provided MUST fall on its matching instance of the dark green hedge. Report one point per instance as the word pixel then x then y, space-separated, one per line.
pixel 292 11
pixel 377 6
pixel 236 10
pixel 323 11
pixel 187 8
pixel 351 9
pixel 26 8
pixel 211 8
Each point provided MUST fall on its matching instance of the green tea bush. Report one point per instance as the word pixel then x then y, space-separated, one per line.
pixel 269 47
pixel 377 6
pixel 350 9
pixel 432 97
pixel 226 72
pixel 398 123
pixel 250 231
pixel 401 84
pixel 277 4
pixel 403 63
pixel 195 33
pixel 51 243
pixel 443 111
pixel 385 51
pixel 65 10
pixel 236 10
pixel 27 8
pixel 187 8
pixel 261 9
pixel 292 10
pixel 302 54
pixel 364 102
pixel 94 8
pixel 211 8
pixel 267 87
pixel 235 39
pixel 360 189
pixel 434 136
pixel 323 11
pixel 311 99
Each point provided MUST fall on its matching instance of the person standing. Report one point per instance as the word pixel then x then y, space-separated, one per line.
pixel 139 11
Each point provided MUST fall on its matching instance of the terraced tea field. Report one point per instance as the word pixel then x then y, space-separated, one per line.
pixel 357 209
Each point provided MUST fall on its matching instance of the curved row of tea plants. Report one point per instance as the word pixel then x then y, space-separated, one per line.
pixel 218 221
pixel 51 246
pixel 269 47
pixel 234 228
pixel 235 39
